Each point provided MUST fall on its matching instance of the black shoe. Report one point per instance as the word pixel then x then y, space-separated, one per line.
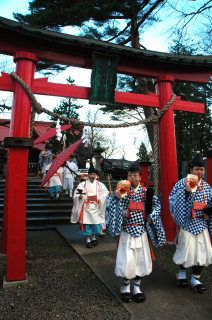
pixel 51 197
pixel 183 283
pixel 126 297
pixel 57 198
pixel 139 297
pixel 89 245
pixel 94 242
pixel 199 287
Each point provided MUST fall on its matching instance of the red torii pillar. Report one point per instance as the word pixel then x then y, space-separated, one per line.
pixel 168 156
pixel 14 216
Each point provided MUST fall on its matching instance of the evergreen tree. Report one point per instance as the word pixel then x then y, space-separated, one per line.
pixel 143 155
pixel 193 130
pixel 117 21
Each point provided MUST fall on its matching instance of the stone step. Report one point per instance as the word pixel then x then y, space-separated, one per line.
pixel 46 200
pixel 42 211
pixel 43 222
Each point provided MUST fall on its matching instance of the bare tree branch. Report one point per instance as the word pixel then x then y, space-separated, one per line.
pixel 125 41
pixel 121 32
pixel 146 15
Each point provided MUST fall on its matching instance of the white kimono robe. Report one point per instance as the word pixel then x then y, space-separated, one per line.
pixel 56 179
pixel 68 176
pixel 93 213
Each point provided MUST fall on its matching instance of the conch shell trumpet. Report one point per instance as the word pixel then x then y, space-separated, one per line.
pixel 45 155
pixel 123 187
pixel 192 180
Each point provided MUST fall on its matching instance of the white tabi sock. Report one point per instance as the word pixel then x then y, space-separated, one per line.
pixel 126 286
pixel 70 193
pixel 136 288
pixel 194 280
pixel 88 239
pixel 182 274
pixel 93 237
pixel 57 194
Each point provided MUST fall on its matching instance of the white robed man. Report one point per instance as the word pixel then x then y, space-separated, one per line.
pixel 55 182
pixel 70 171
pixel 89 207
pixel 45 158
pixel 187 208
pixel 126 217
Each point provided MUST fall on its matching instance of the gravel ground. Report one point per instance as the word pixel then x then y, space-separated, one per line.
pixel 61 285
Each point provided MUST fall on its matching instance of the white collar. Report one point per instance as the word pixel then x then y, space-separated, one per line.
pixel 136 189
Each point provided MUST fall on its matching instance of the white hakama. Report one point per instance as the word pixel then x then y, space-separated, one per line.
pixel 193 250
pixel 133 256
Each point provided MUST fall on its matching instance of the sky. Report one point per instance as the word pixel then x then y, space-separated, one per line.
pixel 153 39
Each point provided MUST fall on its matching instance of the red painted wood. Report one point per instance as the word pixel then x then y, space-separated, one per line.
pixel 6 82
pixel 188 106
pixel 152 71
pixel 5 213
pixel 168 157
pixel 145 174
pixel 17 172
pixel 209 171
pixel 66 90
pixel 16 234
pixel 41 86
pixel 136 99
pixel 61 90
pixel 83 58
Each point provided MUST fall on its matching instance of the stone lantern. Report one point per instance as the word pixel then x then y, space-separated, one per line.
pixel 97 155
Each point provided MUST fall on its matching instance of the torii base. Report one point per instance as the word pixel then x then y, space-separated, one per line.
pixel 10 284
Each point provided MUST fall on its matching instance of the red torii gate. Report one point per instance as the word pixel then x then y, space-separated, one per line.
pixel 14 219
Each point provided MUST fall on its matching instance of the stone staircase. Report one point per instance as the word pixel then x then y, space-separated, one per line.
pixel 42 211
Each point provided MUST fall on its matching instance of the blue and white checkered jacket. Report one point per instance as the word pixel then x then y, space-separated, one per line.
pixel 116 216
pixel 180 207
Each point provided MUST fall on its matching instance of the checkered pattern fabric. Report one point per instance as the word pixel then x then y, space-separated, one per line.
pixel 116 213
pixel 155 230
pixel 180 207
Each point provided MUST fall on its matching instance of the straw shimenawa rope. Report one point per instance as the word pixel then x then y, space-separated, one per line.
pixel 153 118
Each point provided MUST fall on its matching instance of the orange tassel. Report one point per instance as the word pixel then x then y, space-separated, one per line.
pixel 81 227
pixel 150 245
pixel 192 213
pixel 46 189
pixel 61 188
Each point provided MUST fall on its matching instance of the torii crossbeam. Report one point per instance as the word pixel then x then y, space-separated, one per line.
pixel 36 44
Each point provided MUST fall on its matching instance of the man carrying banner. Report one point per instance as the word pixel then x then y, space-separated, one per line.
pixel 70 170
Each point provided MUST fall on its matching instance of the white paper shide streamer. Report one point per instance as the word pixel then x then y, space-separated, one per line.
pixel 114 137
pixel 85 137
pixel 58 130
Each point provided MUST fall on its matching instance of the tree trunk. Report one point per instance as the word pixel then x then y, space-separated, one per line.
pixel 143 89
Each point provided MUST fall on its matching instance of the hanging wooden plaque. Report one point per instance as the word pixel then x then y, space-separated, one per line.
pixel 103 79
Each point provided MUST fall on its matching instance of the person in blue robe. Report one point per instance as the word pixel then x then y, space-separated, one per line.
pixel 45 158
pixel 187 208
pixel 133 255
